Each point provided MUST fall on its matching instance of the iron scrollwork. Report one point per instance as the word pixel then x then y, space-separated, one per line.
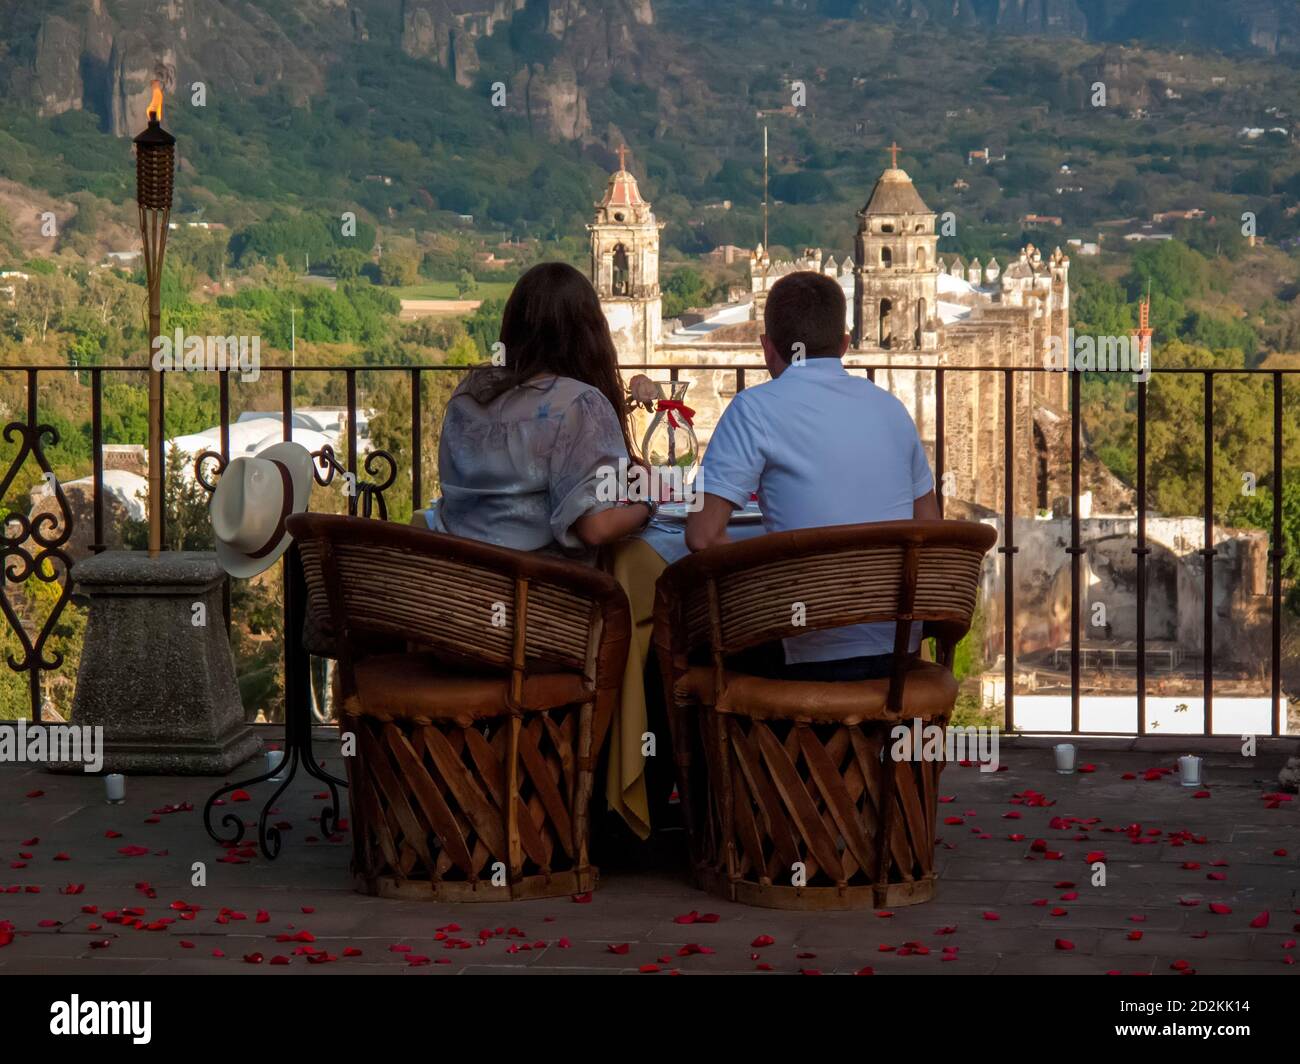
pixel 368 496
pixel 29 547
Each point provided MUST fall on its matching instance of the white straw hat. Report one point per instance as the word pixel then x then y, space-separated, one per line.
pixel 252 500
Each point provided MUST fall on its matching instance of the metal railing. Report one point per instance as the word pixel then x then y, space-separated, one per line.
pixel 28 547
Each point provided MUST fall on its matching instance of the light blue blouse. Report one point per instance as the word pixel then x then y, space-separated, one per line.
pixel 520 470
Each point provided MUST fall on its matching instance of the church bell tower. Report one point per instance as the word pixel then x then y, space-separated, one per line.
pixel 625 266
pixel 895 282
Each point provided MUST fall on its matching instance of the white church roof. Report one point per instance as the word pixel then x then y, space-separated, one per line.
pixel 732 314
pixel 128 488
pixel 247 439
pixel 950 309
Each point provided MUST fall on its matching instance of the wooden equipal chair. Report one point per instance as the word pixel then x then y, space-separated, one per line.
pixel 479 684
pixel 799 803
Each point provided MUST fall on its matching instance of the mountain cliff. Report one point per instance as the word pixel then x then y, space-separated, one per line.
pixel 1271 26
pixel 99 55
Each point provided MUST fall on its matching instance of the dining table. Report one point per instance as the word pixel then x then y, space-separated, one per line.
pixel 637 563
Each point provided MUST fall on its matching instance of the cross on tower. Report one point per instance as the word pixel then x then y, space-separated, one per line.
pixel 622 156
pixel 893 150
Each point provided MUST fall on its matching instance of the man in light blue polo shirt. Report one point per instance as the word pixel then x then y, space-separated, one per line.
pixel 820 447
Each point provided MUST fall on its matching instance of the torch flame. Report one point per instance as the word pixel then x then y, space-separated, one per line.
pixel 156 101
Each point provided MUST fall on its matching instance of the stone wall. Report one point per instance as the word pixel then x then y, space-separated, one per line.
pixel 1108 578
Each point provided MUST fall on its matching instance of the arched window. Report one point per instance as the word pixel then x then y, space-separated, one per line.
pixel 886 258
pixel 920 320
pixel 886 329
pixel 621 282
pixel 920 258
pixel 886 227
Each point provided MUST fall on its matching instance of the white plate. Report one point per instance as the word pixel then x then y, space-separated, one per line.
pixel 679 511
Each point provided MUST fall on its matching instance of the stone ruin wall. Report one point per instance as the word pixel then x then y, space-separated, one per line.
pixel 1108 575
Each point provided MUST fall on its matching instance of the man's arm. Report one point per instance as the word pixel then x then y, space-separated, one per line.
pixel 707 526
pixel 926 507
pixel 730 473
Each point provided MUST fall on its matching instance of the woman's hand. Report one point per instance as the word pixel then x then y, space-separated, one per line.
pixel 609 526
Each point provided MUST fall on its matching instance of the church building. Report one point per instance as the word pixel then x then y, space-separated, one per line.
pixel 909 314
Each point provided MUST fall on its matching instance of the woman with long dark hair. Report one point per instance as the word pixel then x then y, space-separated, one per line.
pixel 531 450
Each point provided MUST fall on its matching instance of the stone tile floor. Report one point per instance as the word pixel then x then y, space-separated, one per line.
pixel 1004 905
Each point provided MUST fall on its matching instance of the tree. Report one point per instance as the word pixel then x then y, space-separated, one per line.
pixel 484 325
pixel 113 299
pixel 398 268
pixel 1173 270
pixel 8 242
pixel 1257 510
pixel 686 287
pixel 80 231
pixel 41 301
pixel 185 506
pixel 1242 445
pixel 346 263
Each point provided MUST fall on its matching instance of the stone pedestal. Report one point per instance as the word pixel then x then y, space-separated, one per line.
pixel 160 684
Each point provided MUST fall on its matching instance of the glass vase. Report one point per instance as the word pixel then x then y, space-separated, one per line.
pixel 669 445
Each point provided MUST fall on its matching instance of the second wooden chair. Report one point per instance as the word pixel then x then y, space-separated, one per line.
pixel 791 795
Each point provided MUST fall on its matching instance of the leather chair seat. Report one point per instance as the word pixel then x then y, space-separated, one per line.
pixel 928 691
pixel 420 687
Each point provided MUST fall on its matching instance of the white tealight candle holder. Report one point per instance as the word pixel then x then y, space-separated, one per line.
pixel 1064 758
pixel 274 763
pixel 1189 767
pixel 115 788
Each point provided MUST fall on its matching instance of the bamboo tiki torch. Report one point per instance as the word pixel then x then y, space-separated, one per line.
pixel 155 162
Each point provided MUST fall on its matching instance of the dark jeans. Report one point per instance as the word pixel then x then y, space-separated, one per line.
pixel 768 660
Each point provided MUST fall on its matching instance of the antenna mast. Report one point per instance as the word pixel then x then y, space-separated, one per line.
pixel 767 251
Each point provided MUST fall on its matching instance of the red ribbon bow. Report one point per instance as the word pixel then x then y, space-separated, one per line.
pixel 671 405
